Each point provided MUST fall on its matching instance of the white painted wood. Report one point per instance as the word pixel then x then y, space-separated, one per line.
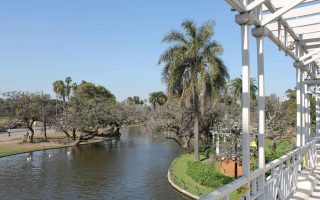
pixel 304 21
pixel 303 115
pixel 309 54
pixel 261 106
pixel 254 4
pixel 306 37
pixel 314 58
pixel 317 112
pixel 298 100
pixel 307 29
pixel 245 100
pixel 315 46
pixel 236 5
pixel 307 110
pixel 286 8
pixel 303 11
pixel 281 3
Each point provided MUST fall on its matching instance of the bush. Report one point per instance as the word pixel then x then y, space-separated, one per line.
pixel 207 175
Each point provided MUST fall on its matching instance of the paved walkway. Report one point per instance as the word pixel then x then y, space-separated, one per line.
pixel 308 187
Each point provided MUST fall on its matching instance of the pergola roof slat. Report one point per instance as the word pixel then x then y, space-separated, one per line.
pixel 303 11
pixel 300 22
pixel 281 3
pixel 307 29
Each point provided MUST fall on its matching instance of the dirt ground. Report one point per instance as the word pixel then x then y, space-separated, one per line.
pixel 19 134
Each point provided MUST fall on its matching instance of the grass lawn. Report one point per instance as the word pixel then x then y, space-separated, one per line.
pixel 179 171
pixel 12 147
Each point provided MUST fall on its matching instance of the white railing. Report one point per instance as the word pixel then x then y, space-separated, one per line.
pixel 281 176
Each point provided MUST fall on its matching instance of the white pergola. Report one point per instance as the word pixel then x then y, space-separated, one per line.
pixel 294 26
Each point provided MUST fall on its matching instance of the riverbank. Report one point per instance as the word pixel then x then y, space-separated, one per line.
pixel 12 146
pixel 179 177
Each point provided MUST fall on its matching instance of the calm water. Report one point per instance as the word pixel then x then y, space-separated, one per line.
pixel 134 167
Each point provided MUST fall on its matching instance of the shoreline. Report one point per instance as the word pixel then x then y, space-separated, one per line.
pixel 179 189
pixel 15 146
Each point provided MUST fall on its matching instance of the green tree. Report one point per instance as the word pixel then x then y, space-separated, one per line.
pixel 159 98
pixel 236 89
pixel 192 67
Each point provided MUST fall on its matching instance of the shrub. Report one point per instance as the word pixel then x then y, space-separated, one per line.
pixel 207 175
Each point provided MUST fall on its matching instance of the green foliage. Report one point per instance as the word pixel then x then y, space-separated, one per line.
pixel 207 175
pixel 159 98
pixel 90 90
pixel 236 88
pixel 192 63
pixel 253 164
pixel 283 147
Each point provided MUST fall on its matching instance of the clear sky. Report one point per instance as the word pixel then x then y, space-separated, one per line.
pixel 114 43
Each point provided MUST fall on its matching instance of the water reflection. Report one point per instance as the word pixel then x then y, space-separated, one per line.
pixel 133 167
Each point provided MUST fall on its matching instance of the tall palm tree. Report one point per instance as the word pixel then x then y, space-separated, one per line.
pixel 192 67
pixel 60 89
pixel 236 89
pixel 159 98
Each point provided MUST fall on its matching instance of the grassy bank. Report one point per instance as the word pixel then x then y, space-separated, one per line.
pixel 179 175
pixel 12 147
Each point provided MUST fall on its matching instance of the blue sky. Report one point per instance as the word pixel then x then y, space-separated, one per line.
pixel 114 43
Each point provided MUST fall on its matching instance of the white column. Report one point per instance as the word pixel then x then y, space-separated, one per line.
pixel 317 112
pixel 217 143
pixel 303 122
pixel 308 136
pixel 306 108
pixel 298 99
pixel 261 105
pixel 245 100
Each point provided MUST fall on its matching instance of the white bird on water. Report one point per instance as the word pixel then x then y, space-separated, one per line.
pixel 29 158
pixel 69 153
pixel 49 155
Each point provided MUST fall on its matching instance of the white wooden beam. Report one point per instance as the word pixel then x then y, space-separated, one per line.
pixel 304 21
pixel 309 55
pixel 307 29
pixel 237 5
pixel 307 37
pixel 315 46
pixel 302 11
pixel 312 81
pixel 290 4
pixel 314 58
pixel 254 4
pixel 281 3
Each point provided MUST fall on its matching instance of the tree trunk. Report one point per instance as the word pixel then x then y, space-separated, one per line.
pixel 74 136
pixel 196 124
pixel 45 129
pixel 66 133
pixel 235 169
pixel 31 135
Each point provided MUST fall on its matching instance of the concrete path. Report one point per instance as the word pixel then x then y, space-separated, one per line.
pixel 308 187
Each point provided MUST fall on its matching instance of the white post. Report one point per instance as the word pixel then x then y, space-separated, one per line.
pixel 217 144
pixel 309 116
pixel 306 108
pixel 303 122
pixel 317 112
pixel 298 99
pixel 261 105
pixel 245 101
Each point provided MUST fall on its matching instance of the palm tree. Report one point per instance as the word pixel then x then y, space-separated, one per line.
pixel 236 89
pixel 157 98
pixel 192 67
pixel 60 89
